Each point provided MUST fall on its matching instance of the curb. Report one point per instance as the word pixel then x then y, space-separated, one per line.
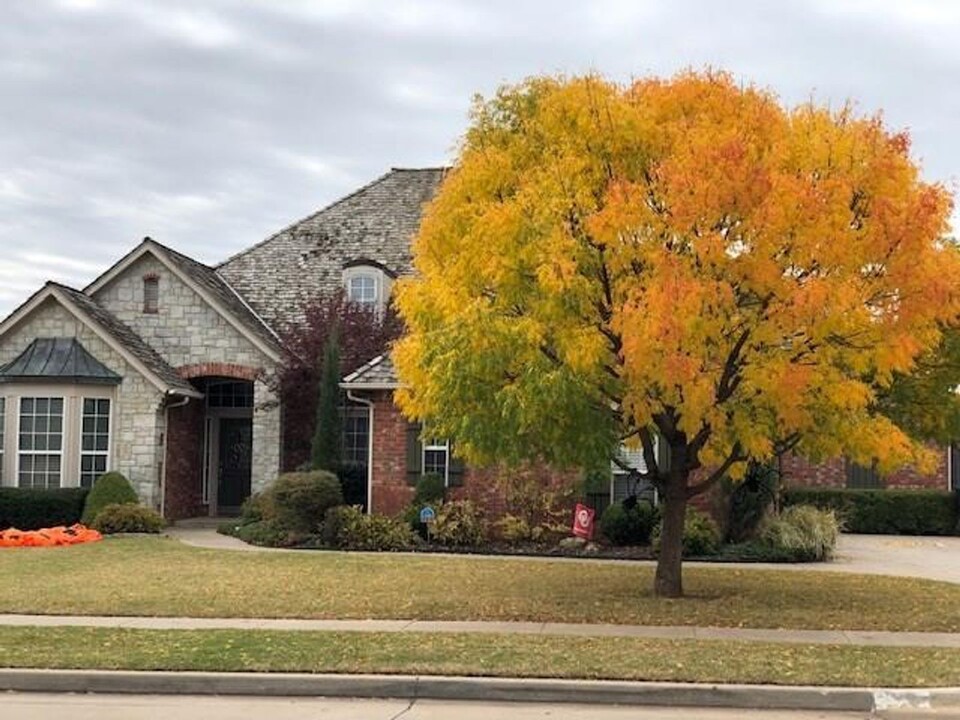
pixel 412 687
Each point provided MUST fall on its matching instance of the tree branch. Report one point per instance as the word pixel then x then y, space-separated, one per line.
pixel 736 455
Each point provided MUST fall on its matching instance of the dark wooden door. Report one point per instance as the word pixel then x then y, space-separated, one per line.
pixel 236 454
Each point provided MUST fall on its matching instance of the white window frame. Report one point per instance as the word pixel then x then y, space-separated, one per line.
pixel 63 434
pixel 106 453
pixel 208 425
pixel 616 470
pixel 436 445
pixel 374 280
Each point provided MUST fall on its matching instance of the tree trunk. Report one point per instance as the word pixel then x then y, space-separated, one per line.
pixel 668 581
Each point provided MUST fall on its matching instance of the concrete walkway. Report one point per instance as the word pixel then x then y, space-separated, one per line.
pixel 805 637
pixel 931 558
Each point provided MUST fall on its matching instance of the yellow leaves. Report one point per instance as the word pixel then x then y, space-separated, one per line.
pixel 625 238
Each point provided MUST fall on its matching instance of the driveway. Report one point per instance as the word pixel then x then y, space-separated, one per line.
pixel 935 558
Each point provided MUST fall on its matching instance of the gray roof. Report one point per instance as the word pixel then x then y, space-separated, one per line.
pixel 211 281
pixel 377 222
pixel 127 338
pixel 58 360
pixel 378 374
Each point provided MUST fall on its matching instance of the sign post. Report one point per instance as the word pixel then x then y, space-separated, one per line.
pixel 427 517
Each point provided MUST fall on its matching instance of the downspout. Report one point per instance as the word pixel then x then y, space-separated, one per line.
pixel 369 404
pixel 166 441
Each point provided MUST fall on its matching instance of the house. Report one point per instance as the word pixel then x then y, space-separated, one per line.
pixel 161 367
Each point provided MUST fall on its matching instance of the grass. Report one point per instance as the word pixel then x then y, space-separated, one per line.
pixel 162 577
pixel 471 654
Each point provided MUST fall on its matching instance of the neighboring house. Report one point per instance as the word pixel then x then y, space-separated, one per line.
pixel 159 369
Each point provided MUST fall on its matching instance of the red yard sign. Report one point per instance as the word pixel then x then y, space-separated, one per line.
pixel 583 521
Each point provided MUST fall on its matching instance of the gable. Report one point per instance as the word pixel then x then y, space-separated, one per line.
pixel 187 327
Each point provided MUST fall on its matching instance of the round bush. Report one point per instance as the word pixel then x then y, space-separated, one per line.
pixel 127 518
pixel 299 500
pixel 111 488
pixel 622 525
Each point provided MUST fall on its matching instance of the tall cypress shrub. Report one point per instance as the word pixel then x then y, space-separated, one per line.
pixel 326 451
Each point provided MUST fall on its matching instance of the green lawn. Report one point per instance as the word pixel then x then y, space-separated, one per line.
pixel 158 576
pixel 470 654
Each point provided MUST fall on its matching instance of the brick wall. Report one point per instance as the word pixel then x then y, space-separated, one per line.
pixel 798 472
pixel 392 491
pixel 184 461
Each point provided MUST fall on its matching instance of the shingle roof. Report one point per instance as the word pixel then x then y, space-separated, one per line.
pixel 377 222
pixel 212 282
pixel 127 338
pixel 378 374
pixel 58 360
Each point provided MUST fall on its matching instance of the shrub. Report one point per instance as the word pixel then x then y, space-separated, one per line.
pixel 111 488
pixel 537 513
pixel 30 509
pixel 749 501
pixel 802 532
pixel 355 530
pixel 127 518
pixel 700 535
pixel 266 533
pixel 515 529
pixel 430 490
pixel 459 524
pixel 299 500
pixel 622 525
pixel 886 512
pixel 254 509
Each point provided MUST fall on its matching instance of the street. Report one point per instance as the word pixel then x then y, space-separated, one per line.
pixel 21 706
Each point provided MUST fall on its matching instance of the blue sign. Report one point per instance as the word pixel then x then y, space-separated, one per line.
pixel 427 515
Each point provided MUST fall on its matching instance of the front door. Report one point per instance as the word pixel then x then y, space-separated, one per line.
pixel 235 455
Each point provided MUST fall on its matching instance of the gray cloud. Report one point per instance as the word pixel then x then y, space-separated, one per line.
pixel 208 125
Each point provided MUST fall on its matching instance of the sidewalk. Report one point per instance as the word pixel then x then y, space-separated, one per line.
pixel 805 637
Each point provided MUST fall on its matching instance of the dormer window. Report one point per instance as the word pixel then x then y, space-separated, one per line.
pixel 362 289
pixel 366 282
pixel 151 294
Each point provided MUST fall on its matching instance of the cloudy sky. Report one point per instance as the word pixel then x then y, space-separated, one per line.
pixel 209 124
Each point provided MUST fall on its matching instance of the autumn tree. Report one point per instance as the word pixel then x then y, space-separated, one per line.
pixel 326 450
pixel 683 262
pixel 364 333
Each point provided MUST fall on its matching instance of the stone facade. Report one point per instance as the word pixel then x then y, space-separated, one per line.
pixel 192 336
pixel 137 413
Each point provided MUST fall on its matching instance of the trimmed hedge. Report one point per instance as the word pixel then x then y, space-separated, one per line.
pixel 884 512
pixel 29 509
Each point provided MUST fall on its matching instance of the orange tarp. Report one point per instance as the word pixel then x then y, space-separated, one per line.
pixel 48 537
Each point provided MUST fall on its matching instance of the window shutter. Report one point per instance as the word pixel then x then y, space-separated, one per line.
pixel 414 453
pixel 457 469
